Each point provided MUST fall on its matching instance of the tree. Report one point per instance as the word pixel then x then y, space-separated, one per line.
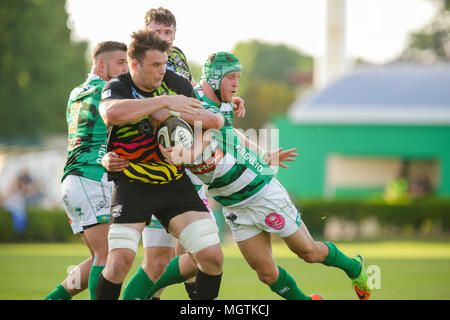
pixel 432 43
pixel 266 83
pixel 40 65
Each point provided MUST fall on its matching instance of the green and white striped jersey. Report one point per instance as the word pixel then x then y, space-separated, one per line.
pixel 232 172
pixel 86 131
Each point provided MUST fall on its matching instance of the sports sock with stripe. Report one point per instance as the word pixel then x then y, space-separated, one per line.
pixel 339 260
pixel 170 276
pixel 60 293
pixel 94 275
pixel 286 287
pixel 138 287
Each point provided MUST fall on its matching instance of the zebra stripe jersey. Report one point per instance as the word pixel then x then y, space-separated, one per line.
pixel 232 172
pixel 86 131
pixel 137 141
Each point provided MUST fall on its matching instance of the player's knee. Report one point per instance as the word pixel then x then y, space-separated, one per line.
pixel 120 264
pixel 210 259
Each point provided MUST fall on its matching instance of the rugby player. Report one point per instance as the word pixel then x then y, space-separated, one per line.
pixel 255 205
pixel 158 244
pixel 86 193
pixel 149 186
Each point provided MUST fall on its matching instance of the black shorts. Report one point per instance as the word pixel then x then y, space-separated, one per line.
pixel 134 202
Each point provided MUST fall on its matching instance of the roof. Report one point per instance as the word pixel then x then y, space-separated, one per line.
pixel 390 94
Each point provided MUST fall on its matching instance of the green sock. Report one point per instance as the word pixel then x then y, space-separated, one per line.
pixel 93 279
pixel 138 287
pixel 60 293
pixel 172 275
pixel 339 260
pixel 286 287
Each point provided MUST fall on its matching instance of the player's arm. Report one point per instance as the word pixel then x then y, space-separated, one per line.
pixel 121 111
pixel 272 158
pixel 207 119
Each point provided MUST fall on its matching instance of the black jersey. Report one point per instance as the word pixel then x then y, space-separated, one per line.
pixel 136 141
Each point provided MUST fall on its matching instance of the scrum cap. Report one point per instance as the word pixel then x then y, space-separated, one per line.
pixel 217 66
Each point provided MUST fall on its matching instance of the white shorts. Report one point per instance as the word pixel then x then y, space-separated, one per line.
pixel 86 201
pixel 271 211
pixel 154 234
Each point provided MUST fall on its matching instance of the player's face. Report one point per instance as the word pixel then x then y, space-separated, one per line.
pixel 116 64
pixel 167 33
pixel 148 75
pixel 229 86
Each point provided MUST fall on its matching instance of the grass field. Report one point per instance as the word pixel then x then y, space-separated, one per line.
pixel 409 270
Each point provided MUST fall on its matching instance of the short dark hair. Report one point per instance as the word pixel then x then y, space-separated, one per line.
pixel 108 46
pixel 144 40
pixel 160 15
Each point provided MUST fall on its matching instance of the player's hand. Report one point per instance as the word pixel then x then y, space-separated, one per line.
pixel 276 158
pixel 180 103
pixel 238 106
pixel 113 163
pixel 176 155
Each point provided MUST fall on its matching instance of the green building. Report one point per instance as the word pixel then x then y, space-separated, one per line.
pixel 369 128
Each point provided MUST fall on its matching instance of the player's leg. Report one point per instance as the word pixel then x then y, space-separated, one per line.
pixel 97 239
pixel 78 279
pixel 199 235
pixel 302 244
pixel 257 251
pixel 158 251
pixel 189 284
pixel 179 269
pixel 79 214
pixel 123 242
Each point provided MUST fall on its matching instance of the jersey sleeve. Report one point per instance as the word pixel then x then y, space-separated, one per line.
pixel 115 89
pixel 178 84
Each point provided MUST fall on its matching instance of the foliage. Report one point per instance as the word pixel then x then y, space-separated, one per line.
pixel 432 43
pixel 415 216
pixel 40 65
pixel 52 226
pixel 265 83
pixel 42 226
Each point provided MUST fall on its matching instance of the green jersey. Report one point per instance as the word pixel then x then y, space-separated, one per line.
pixel 87 132
pixel 232 172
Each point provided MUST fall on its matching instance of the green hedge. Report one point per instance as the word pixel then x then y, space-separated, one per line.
pixel 52 226
pixel 413 216
pixel 42 226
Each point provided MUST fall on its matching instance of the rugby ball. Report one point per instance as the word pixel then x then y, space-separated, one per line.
pixel 175 132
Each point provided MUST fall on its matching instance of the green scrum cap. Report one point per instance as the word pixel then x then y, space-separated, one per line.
pixel 217 66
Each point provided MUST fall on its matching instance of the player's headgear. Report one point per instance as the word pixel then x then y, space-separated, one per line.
pixel 217 66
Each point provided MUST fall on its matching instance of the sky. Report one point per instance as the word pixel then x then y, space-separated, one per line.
pixel 376 29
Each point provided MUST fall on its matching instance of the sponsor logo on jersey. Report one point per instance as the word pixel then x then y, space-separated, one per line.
pixel 208 165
